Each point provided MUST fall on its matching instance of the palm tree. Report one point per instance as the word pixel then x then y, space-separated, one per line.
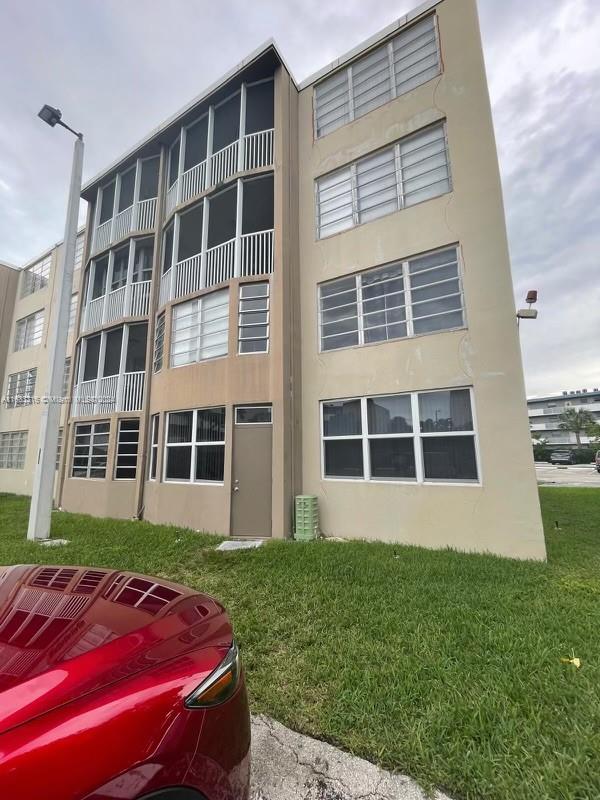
pixel 575 421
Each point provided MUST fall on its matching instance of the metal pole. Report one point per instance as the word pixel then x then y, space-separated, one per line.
pixel 43 481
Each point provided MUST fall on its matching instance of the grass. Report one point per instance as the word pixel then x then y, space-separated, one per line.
pixel 441 665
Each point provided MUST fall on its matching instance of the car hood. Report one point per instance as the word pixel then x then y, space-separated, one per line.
pixel 67 631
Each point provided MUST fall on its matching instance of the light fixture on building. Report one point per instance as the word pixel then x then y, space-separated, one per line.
pixel 528 313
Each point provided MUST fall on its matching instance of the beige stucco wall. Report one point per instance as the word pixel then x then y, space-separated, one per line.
pixel 28 418
pixel 502 514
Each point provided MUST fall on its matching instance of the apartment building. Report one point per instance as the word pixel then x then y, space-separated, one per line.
pixel 545 412
pixel 29 302
pixel 305 289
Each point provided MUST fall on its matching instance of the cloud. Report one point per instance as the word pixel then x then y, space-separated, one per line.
pixel 119 68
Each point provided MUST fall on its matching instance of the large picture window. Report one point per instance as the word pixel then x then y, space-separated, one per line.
pixel 90 450
pixel 413 169
pixel 420 437
pixel 195 446
pixel 200 329
pixel 406 298
pixel 390 70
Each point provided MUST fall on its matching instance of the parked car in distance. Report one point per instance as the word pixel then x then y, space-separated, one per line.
pixel 562 457
pixel 598 460
pixel 117 685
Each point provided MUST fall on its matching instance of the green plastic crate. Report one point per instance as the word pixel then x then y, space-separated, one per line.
pixel 306 517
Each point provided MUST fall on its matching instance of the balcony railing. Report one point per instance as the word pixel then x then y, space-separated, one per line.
pixel 108 395
pixel 251 254
pixel 140 216
pixel 132 300
pixel 252 151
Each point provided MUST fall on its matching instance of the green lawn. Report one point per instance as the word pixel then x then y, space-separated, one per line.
pixel 441 665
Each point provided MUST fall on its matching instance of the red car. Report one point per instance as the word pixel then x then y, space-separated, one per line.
pixel 116 685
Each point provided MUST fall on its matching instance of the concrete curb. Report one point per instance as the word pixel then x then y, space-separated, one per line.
pixel 289 766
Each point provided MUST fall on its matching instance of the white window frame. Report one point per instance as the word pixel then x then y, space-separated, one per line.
pixel 388 45
pixel 416 435
pixel 13 449
pixel 20 388
pixel 72 311
pixel 401 195
pixel 241 314
pixel 153 446
pixel 79 245
pixel 92 435
pixel 199 316
pixel 33 331
pixel 260 406
pixel 119 442
pixel 159 343
pixel 59 446
pixel 36 277
pixel 193 444
pixel 408 304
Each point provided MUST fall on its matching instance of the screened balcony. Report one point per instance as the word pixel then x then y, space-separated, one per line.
pixel 118 285
pixel 111 371
pixel 227 235
pixel 231 137
pixel 126 204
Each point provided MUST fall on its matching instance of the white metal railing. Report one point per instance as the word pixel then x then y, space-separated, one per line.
pixel 257 253
pixel 145 214
pixel 132 392
pixel 224 163
pixel 106 395
pixel 102 237
pixel 115 305
pixel 193 181
pixel 188 276
pixel 171 198
pixel 164 293
pixel 93 313
pixel 139 303
pixel 110 394
pixel 258 149
pixel 220 263
pixel 122 223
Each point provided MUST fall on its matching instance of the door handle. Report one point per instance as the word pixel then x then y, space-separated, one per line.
pixel 236 488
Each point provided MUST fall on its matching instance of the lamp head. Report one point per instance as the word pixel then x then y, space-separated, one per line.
pixel 50 115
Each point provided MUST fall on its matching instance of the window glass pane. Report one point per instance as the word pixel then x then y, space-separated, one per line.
pixel 100 273
pixel 449 458
pixel 210 462
pixel 185 333
pixel 173 163
pixel 334 199
pixel 168 249
pixel 257 213
pixel 371 81
pixel 195 143
pixel 332 103
pixel 222 216
pixel 126 190
pixel 425 171
pixel 254 345
pixel 106 204
pixel 214 325
pixel 179 463
pixel 142 260
pixel 255 415
pixel 376 185
pixel 119 274
pixel 92 352
pixel 136 348
pixel 445 411
pixel 342 418
pixel 112 352
pixel 226 123
pixel 190 232
pixel 416 57
pixel 210 425
pixel 260 107
pixel 392 458
pixel 149 178
pixel 159 341
pixel 391 414
pixel 343 458
pixel 180 427
pixel 443 322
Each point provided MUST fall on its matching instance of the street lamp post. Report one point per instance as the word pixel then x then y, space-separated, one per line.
pixel 43 481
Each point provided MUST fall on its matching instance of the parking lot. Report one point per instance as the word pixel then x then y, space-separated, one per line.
pixel 576 475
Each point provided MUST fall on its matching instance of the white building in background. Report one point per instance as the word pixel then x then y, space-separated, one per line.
pixel 544 414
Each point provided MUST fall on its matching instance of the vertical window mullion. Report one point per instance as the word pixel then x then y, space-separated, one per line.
pixel 354 190
pixel 407 298
pixel 350 95
pixel 359 310
pixel 420 472
pixel 399 179
pixel 390 53
pixel 365 439
pixel 193 445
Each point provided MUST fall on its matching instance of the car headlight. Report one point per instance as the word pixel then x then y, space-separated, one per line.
pixel 220 684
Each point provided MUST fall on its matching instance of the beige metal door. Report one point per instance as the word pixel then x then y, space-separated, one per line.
pixel 251 480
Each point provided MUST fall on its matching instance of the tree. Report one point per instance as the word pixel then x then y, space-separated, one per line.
pixel 575 421
pixel 593 431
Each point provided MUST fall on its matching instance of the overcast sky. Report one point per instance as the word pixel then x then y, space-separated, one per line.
pixel 117 68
